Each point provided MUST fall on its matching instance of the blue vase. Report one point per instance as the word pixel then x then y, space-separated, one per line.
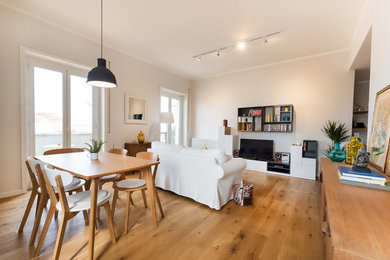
pixel 337 155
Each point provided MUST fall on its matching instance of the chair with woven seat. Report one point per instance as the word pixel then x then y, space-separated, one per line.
pixel 70 206
pixel 132 185
pixel 75 186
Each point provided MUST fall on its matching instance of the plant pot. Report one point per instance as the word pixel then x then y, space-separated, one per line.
pixel 93 156
pixel 337 155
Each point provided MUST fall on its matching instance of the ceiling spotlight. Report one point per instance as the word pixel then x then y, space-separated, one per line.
pixel 238 45
pixel 241 45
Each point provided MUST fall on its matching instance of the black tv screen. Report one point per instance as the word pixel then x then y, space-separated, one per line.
pixel 255 149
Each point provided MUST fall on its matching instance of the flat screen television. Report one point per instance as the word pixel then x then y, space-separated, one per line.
pixel 254 149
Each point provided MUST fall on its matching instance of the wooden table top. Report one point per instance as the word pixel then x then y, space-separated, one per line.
pixel 359 218
pixel 81 166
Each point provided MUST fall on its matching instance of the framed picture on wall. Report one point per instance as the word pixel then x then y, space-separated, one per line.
pixel 378 144
pixel 135 109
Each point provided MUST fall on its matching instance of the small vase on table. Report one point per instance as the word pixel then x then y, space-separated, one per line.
pixel 337 155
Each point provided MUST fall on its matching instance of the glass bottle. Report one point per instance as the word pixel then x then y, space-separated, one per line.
pixel 352 148
pixel 337 155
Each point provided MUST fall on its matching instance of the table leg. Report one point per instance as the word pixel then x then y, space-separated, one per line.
pixel 151 191
pixel 92 217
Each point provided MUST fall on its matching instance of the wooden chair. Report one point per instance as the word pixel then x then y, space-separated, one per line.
pixel 118 151
pixel 35 191
pixel 63 150
pixel 69 205
pixel 75 186
pixel 67 150
pixel 111 177
pixel 132 185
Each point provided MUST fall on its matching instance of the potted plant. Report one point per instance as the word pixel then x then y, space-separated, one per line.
pixel 93 148
pixel 338 133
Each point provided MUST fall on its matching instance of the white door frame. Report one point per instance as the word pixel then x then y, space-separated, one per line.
pixel 183 97
pixel 28 58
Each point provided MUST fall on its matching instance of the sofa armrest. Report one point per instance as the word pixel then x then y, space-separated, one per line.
pixel 232 166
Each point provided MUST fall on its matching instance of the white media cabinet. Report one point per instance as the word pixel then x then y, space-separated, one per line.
pixel 300 167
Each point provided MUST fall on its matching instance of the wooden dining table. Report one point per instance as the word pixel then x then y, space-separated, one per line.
pixel 80 165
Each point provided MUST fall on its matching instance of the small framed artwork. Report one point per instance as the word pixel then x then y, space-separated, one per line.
pixel 378 144
pixel 135 109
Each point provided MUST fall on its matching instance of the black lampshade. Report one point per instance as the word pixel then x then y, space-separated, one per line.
pixel 101 77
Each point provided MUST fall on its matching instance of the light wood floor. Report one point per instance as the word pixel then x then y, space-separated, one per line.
pixel 282 223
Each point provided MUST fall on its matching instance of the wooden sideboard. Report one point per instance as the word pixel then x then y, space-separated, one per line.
pixel 134 148
pixel 355 220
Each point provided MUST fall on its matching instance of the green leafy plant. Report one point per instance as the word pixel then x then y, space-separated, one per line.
pixel 94 146
pixel 337 132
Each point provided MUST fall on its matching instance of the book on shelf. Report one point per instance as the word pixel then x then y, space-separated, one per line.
pixel 373 175
pixel 362 180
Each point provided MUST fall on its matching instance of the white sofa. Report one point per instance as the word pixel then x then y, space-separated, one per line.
pixel 206 176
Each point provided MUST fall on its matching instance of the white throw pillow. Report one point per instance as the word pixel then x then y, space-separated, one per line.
pixel 166 147
pixel 218 154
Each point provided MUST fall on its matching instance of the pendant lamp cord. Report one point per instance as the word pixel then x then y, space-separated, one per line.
pixel 101 29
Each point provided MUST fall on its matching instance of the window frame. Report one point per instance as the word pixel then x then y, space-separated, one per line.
pixel 183 98
pixel 28 60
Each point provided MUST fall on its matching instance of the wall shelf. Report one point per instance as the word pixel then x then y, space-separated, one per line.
pixel 278 118
pixel 360 112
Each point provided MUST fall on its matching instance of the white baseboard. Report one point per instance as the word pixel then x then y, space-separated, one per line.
pixel 10 193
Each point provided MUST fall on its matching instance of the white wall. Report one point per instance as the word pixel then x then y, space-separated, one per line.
pixel 380 51
pixel 376 17
pixel 320 88
pixel 18 30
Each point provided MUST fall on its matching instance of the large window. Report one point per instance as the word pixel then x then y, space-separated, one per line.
pixel 61 107
pixel 174 132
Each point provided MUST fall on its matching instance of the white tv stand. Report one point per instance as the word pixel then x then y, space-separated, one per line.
pixel 299 167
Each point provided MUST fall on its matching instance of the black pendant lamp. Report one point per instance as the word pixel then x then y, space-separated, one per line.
pixel 100 76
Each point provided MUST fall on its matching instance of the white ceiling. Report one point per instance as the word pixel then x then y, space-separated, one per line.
pixel 168 33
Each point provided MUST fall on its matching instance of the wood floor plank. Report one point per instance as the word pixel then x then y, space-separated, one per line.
pixel 282 223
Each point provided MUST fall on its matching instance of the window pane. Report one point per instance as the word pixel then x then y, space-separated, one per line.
pixel 164 127
pixel 47 109
pixel 175 108
pixel 164 104
pixel 81 111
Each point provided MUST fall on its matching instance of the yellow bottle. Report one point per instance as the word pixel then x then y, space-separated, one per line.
pixel 352 148
pixel 141 137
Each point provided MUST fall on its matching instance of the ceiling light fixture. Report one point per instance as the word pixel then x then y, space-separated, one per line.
pixel 101 76
pixel 241 45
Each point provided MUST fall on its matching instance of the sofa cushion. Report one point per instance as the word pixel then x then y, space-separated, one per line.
pixel 218 154
pixel 166 147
